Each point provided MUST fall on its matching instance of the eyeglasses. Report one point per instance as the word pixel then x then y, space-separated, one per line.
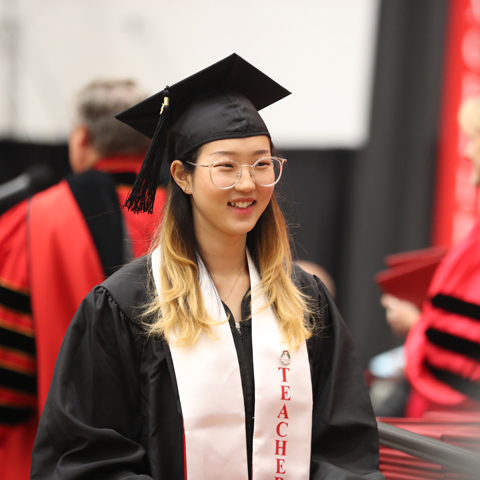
pixel 226 174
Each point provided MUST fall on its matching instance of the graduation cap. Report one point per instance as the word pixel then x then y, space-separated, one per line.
pixel 219 102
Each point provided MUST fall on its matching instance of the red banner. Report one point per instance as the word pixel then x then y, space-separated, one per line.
pixel 456 200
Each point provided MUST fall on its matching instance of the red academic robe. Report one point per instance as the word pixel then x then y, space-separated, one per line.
pixel 442 351
pixel 53 250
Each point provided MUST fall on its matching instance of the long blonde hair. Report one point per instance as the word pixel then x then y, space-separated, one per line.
pixel 180 308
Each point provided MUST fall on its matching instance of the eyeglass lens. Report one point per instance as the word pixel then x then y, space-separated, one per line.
pixel 266 172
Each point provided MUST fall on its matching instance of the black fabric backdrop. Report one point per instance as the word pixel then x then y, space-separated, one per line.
pixel 348 209
pixel 394 174
pixel 16 157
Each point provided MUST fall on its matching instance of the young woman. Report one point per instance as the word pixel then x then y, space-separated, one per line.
pixel 213 357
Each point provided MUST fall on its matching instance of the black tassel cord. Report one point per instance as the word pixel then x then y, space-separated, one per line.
pixel 142 196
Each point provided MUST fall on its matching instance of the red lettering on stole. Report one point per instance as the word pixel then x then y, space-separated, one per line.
pixel 281 447
pixel 283 412
pixel 278 429
pixel 285 391
pixel 284 370
pixel 282 427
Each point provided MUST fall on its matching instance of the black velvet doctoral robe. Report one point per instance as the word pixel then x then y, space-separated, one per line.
pixel 113 410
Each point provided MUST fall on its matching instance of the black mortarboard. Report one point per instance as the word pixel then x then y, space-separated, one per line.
pixel 219 102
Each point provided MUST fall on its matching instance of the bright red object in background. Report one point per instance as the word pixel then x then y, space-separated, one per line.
pixel 456 201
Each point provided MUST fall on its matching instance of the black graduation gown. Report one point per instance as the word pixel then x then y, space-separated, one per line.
pixel 113 410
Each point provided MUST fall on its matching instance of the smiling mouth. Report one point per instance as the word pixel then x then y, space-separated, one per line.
pixel 241 204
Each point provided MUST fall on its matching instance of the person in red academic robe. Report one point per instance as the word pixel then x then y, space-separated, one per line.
pixel 442 351
pixel 55 247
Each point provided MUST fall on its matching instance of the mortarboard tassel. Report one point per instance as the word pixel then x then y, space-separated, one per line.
pixel 141 197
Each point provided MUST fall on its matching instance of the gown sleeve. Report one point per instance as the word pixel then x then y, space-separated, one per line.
pixel 91 423
pixel 344 428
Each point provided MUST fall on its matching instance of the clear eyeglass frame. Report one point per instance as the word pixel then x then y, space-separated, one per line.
pixel 210 167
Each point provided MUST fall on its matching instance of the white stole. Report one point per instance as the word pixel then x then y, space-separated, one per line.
pixel 211 396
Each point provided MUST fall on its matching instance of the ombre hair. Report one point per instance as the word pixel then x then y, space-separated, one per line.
pixel 179 310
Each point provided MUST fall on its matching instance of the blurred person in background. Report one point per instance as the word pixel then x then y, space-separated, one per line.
pixel 401 315
pixel 55 247
pixel 390 389
pixel 315 269
pixel 442 350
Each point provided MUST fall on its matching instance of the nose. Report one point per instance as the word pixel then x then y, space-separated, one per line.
pixel 246 182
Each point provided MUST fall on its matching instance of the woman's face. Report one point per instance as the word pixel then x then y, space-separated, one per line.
pixel 472 152
pixel 234 211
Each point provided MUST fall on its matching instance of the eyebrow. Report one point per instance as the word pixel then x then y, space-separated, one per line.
pixel 227 152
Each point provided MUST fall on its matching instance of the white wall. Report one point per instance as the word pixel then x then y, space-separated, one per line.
pixel 321 50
